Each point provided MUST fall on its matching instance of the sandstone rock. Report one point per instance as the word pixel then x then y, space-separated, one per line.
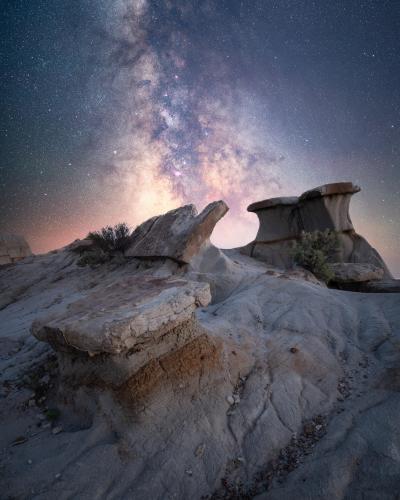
pixel 325 207
pixel 350 272
pixel 131 313
pixel 178 234
pixel 13 248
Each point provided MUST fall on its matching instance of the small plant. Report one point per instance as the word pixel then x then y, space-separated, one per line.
pixel 107 242
pixel 314 250
pixel 111 238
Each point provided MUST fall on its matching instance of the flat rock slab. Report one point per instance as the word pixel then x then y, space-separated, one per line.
pixel 121 316
pixel 349 272
pixel 335 188
pixel 178 234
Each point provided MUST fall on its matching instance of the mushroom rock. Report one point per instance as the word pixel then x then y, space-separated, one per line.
pixel 179 234
pixel 325 207
pixel 13 248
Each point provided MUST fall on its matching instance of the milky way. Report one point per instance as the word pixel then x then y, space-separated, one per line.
pixel 120 110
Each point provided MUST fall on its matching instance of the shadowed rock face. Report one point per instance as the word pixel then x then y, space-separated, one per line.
pixel 13 248
pixel 178 234
pixel 346 272
pixel 325 207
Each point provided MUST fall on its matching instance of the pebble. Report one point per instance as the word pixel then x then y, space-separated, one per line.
pixel 230 400
pixel 57 476
pixel 189 472
pixel 45 379
pixel 30 462
pixel 200 450
pixel 57 430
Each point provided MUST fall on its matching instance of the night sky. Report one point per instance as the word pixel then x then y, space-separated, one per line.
pixel 120 110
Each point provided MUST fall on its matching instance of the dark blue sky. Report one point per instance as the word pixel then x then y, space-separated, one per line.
pixel 120 110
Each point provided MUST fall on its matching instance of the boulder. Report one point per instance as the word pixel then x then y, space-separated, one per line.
pixel 13 248
pixel 126 315
pixel 178 234
pixel 350 272
pixel 111 333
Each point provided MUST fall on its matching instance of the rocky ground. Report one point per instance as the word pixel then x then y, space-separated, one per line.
pixel 278 388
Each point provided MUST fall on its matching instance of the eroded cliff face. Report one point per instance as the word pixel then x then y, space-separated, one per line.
pixel 218 377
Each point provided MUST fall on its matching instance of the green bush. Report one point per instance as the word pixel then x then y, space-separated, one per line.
pixel 108 242
pixel 314 250
pixel 111 238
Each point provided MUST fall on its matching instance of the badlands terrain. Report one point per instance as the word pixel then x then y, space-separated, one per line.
pixel 181 371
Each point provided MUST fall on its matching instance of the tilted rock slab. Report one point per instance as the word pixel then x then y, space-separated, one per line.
pixel 114 331
pixel 179 234
pixel 282 221
pixel 13 248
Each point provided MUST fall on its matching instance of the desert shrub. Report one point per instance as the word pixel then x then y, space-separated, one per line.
pixel 108 243
pixel 111 238
pixel 93 257
pixel 314 250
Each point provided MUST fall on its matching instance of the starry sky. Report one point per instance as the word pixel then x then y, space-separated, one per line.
pixel 118 110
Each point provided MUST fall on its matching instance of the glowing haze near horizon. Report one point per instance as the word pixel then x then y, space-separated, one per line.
pixel 120 110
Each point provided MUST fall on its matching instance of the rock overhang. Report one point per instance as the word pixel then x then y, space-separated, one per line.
pixel 332 189
pixel 121 316
pixel 272 203
pixel 178 235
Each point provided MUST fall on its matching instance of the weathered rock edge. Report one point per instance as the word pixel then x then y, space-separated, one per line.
pixel 123 316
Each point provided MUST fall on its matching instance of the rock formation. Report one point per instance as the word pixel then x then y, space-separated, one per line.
pixel 13 248
pixel 178 235
pixel 346 272
pixel 222 378
pixel 325 207
pixel 128 322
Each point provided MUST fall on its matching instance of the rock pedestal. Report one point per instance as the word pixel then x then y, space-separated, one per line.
pixel 111 333
pixel 325 207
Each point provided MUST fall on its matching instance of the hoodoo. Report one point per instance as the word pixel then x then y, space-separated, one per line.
pixel 282 221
